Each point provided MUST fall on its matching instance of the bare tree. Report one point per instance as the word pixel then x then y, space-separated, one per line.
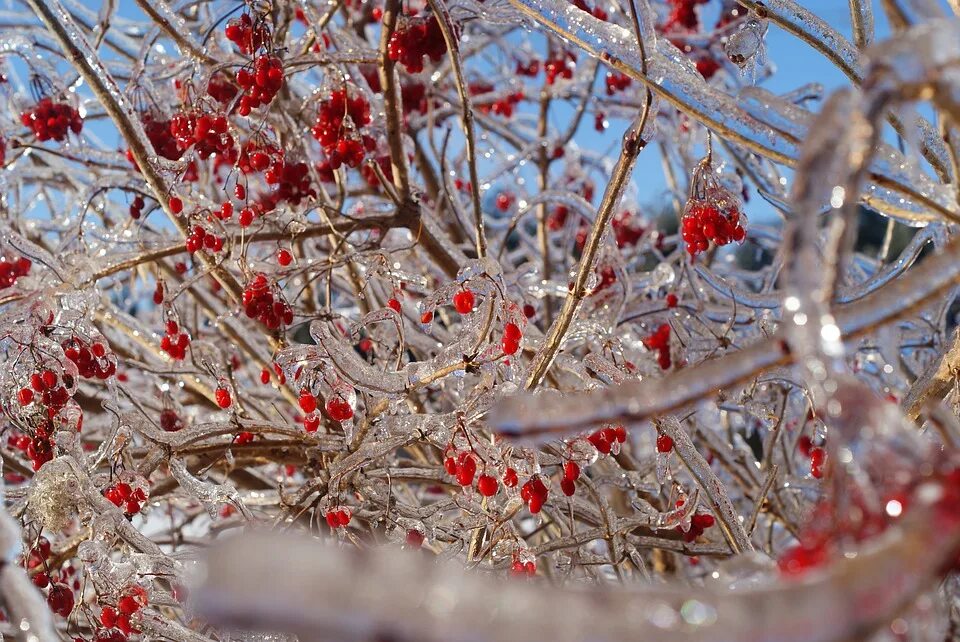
pixel 495 319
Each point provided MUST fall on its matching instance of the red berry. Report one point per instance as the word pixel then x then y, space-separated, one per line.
pixel 176 205
pixel 487 485
pixel 510 478
pixel 284 257
pixel 308 403
pixel 222 396
pixel 664 443
pixel 464 301
pixel 25 396
pixel 571 470
pixel 568 486
pixel 339 409
pixel 393 304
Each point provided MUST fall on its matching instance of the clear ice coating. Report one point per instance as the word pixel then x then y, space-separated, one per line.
pixel 263 383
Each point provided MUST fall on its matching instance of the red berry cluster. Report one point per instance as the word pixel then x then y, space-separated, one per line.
pixel 560 66
pixel 201 239
pixel 660 341
pixel 571 473
pixel 414 39
pixel 136 207
pixel 502 107
pixel 93 362
pixel 529 69
pixel 704 222
pixel 462 466
pixel 683 16
pixel 261 84
pixel 519 568
pixel 247 35
pixel 209 134
pixel 11 270
pixel 615 81
pixel 817 455
pixel 338 517
pixel 263 301
pixel 221 88
pixel 339 409
pixel 170 421
pixel 257 157
pixel 712 213
pixel 117 618
pixel 335 133
pixel 512 335
pixel 292 181
pixel 175 342
pixel 699 522
pixel 161 137
pixel 606 440
pixel 39 448
pixel 50 120
pixel 534 494
pixel 626 230
pixel 123 495
pixel 46 389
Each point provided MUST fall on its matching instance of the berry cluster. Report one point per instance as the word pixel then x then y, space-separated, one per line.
pixel 93 362
pixel 175 342
pixel 560 66
pixel 607 440
pixel 263 301
pixel 338 119
pixel 136 207
pixel 201 239
pixel 817 455
pixel 699 522
pixel 50 120
pixel 462 466
pixel 39 448
pixel 257 157
pixel 247 35
pixel 660 341
pixel 161 137
pixel 209 134
pixel 221 89
pixel 529 69
pixel 46 389
pixel 512 335
pixel 123 495
pixel 414 39
pixel 705 222
pixel 261 84
pixel 626 230
pixel 534 494
pixel 292 181
pixel 338 517
pixel 521 568
pixel 11 270
pixel 571 473
pixel 615 81
pixel 683 16
pixel 117 618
